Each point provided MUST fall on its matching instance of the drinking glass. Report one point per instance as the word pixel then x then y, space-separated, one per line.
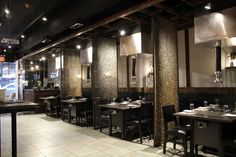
pixel 114 100
pixel 130 100
pixel 191 106
pixel 127 98
pixel 205 103
pixel 225 108
pixel 140 97
pixel 217 101
pixel 143 99
pixel 235 106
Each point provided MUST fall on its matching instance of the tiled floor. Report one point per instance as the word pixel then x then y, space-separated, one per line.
pixel 39 136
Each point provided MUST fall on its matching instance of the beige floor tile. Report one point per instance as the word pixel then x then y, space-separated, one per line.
pixel 41 136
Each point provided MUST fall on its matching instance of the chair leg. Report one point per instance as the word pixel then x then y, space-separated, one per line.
pixel 196 149
pixel 149 130
pixel 185 147
pixel 140 133
pixel 100 125
pixel 164 145
pixel 174 145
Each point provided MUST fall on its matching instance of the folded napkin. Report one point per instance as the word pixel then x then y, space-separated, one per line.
pixel 229 115
pixel 189 111
pixel 124 102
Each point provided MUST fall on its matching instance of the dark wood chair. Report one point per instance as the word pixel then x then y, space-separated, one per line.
pixel 176 132
pixel 53 107
pixel 105 116
pixel 66 112
pixel 139 120
pixel 86 116
pixel 229 148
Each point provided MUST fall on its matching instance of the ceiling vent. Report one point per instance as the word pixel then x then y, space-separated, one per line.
pixel 76 25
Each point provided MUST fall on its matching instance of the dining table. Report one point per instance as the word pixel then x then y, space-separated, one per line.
pixel 13 108
pixel 75 105
pixel 207 124
pixel 123 110
pixel 50 101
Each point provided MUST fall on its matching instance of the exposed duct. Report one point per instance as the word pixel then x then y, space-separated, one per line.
pixel 218 73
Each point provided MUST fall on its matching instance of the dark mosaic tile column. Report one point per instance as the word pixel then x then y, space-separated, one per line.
pixel 164 37
pixel 104 71
pixel 71 74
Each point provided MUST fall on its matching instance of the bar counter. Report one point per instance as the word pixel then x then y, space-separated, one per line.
pixel 34 95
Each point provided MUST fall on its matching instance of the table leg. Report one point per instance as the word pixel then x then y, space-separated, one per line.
pixel 192 139
pixel 110 123
pixel 14 136
pixel 220 149
pixel 122 126
pixel 0 135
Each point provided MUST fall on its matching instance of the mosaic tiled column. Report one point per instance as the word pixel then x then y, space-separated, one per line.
pixel 72 74
pixel 164 37
pixel 104 72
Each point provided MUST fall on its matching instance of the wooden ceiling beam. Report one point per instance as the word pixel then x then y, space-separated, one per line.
pixel 135 19
pixel 128 11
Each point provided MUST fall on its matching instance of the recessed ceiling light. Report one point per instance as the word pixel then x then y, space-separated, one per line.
pixel 43 58
pixel 208 6
pixel 9 46
pixel 36 67
pixel 22 36
pixel 5 50
pixel 32 68
pixel 7 11
pixel 31 62
pixel 122 32
pixel 44 18
pixel 53 55
pixel 78 47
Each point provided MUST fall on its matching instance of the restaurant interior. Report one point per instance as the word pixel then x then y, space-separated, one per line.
pixel 117 78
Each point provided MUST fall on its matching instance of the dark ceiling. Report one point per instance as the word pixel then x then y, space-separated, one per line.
pixel 26 18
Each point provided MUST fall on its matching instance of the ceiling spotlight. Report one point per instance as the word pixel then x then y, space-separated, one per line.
pixel 9 46
pixel 78 47
pixel 40 59
pixel 32 68
pixel 22 36
pixel 43 58
pixel 36 67
pixel 44 19
pixel 5 50
pixel 31 62
pixel 122 32
pixel 7 11
pixel 208 6
pixel 53 55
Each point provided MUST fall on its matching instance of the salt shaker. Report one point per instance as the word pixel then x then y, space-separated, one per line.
pixel 191 106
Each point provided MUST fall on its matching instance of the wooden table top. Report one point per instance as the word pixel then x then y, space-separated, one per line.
pixel 123 105
pixel 74 101
pixel 49 98
pixel 208 116
pixel 18 107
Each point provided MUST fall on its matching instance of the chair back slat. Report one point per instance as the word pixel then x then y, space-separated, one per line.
pixel 168 116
